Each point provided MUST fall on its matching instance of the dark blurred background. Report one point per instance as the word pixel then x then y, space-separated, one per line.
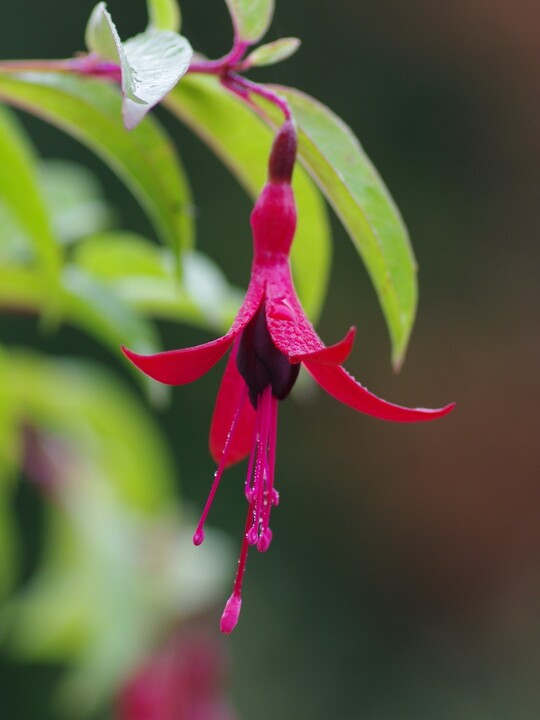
pixel 404 578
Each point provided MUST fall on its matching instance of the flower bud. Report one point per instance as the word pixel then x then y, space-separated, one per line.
pixel 283 155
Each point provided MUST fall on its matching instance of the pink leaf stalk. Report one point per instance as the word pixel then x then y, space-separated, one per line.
pixel 269 339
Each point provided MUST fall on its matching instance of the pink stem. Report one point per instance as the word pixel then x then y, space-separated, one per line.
pixel 223 67
pixel 223 64
pixel 242 87
pixel 90 64
pixel 35 65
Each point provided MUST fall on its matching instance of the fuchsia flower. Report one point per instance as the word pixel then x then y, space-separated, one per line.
pixel 270 337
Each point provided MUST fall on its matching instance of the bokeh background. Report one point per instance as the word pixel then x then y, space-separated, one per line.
pixel 404 578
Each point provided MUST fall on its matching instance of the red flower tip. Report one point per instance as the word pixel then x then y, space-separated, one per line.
pixel 333 354
pixel 441 412
pixel 283 155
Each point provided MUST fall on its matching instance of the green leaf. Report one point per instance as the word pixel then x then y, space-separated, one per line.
pixel 21 289
pixel 89 604
pixel 102 421
pixel 156 59
pixel 118 567
pixel 15 246
pixel 98 310
pixel 164 15
pixel 145 159
pixel 74 200
pixel 335 159
pixel 143 276
pixel 101 35
pixel 8 543
pixel 9 464
pixel 151 63
pixel 74 204
pixel 111 585
pixel 20 193
pixel 251 18
pixel 119 255
pixel 113 478
pixel 273 52
pixel 242 142
pixel 84 302
pixel 9 426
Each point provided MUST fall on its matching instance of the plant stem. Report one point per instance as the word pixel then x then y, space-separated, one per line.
pixel 225 68
pixel 84 64
pixel 228 68
pixel 243 87
pixel 223 64
pixel 14 66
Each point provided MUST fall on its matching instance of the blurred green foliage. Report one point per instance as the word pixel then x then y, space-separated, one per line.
pixel 424 603
pixel 117 568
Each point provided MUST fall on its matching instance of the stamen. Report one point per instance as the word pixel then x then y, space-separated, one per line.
pixel 259 476
pixel 261 496
pixel 248 487
pixel 271 496
pixel 198 536
pixel 260 491
pixel 231 613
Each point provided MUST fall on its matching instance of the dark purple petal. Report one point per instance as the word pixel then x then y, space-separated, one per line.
pixel 261 364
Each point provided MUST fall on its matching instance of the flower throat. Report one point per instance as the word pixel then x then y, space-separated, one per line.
pixel 261 364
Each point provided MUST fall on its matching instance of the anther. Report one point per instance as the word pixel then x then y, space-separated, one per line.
pixel 253 535
pixel 231 613
pixel 264 540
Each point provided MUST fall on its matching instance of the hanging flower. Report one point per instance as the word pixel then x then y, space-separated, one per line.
pixel 270 337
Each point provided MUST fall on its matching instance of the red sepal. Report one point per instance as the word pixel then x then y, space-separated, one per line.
pixel 333 354
pixel 343 387
pixel 178 367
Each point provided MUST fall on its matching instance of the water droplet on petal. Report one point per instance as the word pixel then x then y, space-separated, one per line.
pixel 281 310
